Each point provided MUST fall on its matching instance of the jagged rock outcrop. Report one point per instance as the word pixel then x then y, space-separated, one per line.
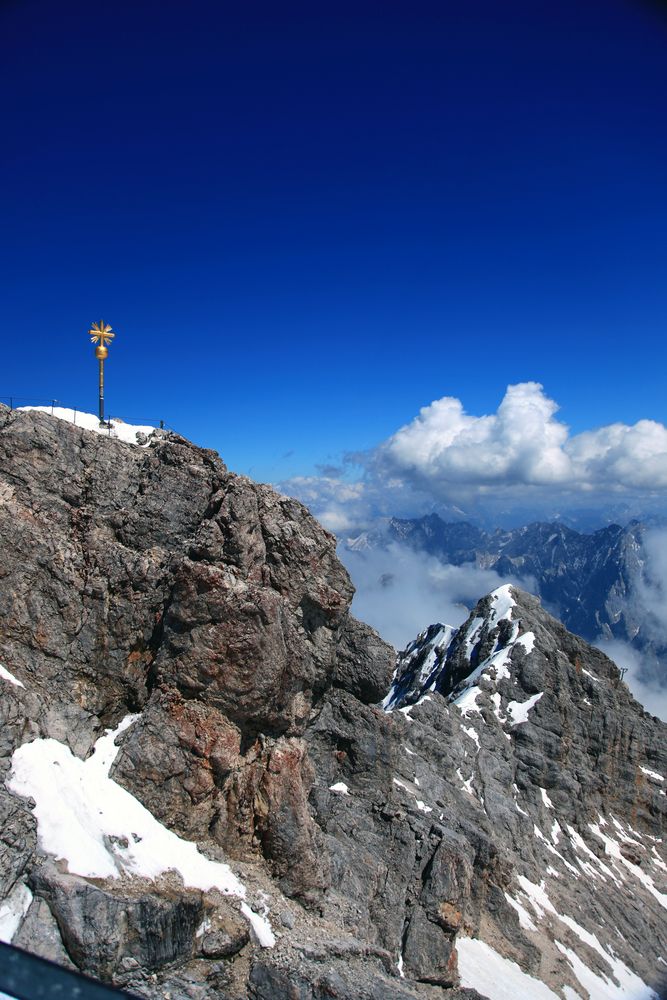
pixel 594 583
pixel 511 793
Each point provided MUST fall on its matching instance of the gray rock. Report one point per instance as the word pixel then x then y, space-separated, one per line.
pixel 151 580
pixel 39 933
pixel 101 928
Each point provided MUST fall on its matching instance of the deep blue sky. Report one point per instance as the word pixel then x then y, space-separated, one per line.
pixel 307 221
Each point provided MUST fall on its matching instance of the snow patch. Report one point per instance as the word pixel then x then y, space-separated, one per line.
pixel 6 676
pixel 651 774
pixel 466 785
pixel 467 702
pixel 631 986
pixel 100 829
pixel 545 798
pixel 339 787
pixel 524 917
pixel 12 911
pixel 119 429
pixel 472 635
pixel 502 603
pixel 537 896
pixel 519 709
pixel 613 849
pixel 260 925
pixel 483 969
pixel 527 640
pixel 472 734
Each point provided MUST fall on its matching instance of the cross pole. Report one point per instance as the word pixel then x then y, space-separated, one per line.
pixel 100 334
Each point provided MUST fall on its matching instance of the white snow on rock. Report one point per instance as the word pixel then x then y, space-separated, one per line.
pixel 12 911
pixel 651 774
pixel 495 667
pixel 260 925
pixel 467 702
pixel 612 848
pixel 472 635
pixel 100 829
pixel 527 640
pixel 119 429
pixel 483 969
pixel 519 709
pixel 630 986
pixel 340 787
pixel 502 603
pixel 621 984
pixel 545 798
pixel 439 642
pixel 466 786
pixel 524 917
pixel 537 896
pixel 6 676
pixel 422 806
pixel 472 734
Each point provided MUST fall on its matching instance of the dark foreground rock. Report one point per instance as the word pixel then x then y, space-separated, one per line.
pixel 513 794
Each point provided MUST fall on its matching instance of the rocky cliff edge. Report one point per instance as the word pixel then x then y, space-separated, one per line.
pixel 203 797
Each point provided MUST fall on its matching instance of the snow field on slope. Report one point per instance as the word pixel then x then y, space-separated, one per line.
pixel 102 831
pixel 621 983
pixel 497 978
pixel 119 429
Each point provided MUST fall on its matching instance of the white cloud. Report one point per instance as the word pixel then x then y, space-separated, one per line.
pixel 649 589
pixel 523 444
pixel 515 465
pixel 401 592
pixel 650 694
pixel 339 505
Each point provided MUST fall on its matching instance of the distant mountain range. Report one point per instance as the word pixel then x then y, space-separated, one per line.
pixel 586 580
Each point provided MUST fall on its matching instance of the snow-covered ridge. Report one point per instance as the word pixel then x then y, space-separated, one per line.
pixel 421 664
pixel 115 428
pixel 508 666
pixel 426 664
pixel 102 831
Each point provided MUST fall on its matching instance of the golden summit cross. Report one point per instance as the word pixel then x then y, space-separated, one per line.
pixel 100 334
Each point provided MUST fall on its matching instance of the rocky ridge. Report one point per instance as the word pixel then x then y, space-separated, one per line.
pixel 589 581
pixel 510 797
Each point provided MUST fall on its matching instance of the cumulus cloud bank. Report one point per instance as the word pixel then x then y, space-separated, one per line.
pixel 515 465
pixel 523 444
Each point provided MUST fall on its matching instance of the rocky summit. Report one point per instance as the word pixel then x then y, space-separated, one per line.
pixel 217 784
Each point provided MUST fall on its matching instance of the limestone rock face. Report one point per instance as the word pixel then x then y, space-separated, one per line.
pixel 509 791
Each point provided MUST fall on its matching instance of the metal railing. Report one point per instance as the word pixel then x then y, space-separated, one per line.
pixel 17 402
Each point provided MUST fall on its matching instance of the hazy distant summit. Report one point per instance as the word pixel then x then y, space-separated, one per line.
pixel 586 580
